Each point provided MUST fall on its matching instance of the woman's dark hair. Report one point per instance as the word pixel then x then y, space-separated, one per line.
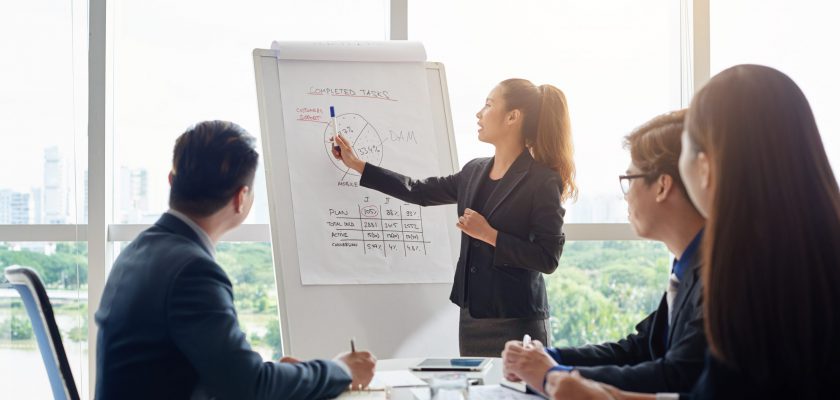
pixel 211 162
pixel 546 127
pixel 772 244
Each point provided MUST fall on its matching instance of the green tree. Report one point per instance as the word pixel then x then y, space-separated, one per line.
pixel 66 268
pixel 16 328
pixel 246 262
pixel 78 333
pixel 603 289
pixel 250 268
pixel 272 338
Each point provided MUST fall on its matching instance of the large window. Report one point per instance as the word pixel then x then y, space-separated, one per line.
pixel 207 72
pixel 170 77
pixel 250 269
pixel 43 107
pixel 619 65
pixel 63 269
pixel 795 37
pixel 617 62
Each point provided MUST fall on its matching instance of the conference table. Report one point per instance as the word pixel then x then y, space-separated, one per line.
pixel 489 378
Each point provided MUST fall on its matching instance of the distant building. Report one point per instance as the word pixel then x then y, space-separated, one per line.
pixel 597 208
pixel 133 194
pixel 56 191
pixel 14 207
pixel 140 189
pixel 37 199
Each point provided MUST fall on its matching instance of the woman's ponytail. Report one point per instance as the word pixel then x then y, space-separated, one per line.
pixel 545 127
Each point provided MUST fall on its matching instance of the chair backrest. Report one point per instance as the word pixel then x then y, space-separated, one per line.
pixel 38 307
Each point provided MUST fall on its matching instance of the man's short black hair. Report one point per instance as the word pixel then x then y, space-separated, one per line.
pixel 212 160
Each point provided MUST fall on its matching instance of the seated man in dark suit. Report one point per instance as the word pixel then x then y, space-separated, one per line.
pixel 167 323
pixel 667 351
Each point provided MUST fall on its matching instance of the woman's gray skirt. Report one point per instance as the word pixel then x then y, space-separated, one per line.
pixel 486 337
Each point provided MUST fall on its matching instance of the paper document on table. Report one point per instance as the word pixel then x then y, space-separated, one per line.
pixel 381 379
pixel 518 386
pixel 363 395
pixel 496 392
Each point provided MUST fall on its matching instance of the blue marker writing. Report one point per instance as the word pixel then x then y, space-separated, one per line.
pixel 336 147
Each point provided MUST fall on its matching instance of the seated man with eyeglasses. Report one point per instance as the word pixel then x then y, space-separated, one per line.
pixel 666 353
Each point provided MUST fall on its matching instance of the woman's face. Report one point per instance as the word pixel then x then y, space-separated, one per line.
pixel 492 117
pixel 695 170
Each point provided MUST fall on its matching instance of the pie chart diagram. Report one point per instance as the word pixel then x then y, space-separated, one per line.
pixel 363 137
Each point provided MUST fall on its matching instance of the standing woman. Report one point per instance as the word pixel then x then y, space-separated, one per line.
pixel 510 212
pixel 754 163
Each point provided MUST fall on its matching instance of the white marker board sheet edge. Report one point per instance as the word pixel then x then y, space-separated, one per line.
pixel 373 51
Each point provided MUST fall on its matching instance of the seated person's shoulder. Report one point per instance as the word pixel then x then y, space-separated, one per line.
pixel 171 247
pixel 170 257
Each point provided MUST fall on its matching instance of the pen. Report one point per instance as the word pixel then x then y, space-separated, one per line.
pixel 352 345
pixel 526 341
pixel 336 147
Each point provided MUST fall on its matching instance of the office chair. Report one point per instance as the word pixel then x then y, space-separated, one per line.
pixel 39 309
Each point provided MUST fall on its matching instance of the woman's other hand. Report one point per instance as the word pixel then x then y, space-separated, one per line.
pixel 476 226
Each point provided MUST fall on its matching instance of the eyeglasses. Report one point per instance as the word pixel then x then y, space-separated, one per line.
pixel 624 181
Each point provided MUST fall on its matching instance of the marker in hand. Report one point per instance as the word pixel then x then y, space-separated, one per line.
pixel 336 147
pixel 526 341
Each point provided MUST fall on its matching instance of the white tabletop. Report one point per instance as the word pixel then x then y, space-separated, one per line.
pixel 490 376
pixel 488 381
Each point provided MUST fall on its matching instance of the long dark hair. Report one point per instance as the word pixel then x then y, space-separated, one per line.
pixel 772 245
pixel 546 127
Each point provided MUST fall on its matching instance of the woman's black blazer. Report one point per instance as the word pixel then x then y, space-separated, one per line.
pixel 504 281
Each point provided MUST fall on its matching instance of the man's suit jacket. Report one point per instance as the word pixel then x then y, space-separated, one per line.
pixel 643 362
pixel 505 281
pixel 167 327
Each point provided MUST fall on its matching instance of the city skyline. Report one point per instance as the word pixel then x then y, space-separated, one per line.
pixel 54 201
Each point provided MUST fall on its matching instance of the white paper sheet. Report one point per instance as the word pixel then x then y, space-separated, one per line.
pixel 348 234
pixel 400 378
pixel 363 395
pixel 481 392
pixel 496 392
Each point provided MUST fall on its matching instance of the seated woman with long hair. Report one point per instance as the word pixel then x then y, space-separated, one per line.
pixel 754 165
